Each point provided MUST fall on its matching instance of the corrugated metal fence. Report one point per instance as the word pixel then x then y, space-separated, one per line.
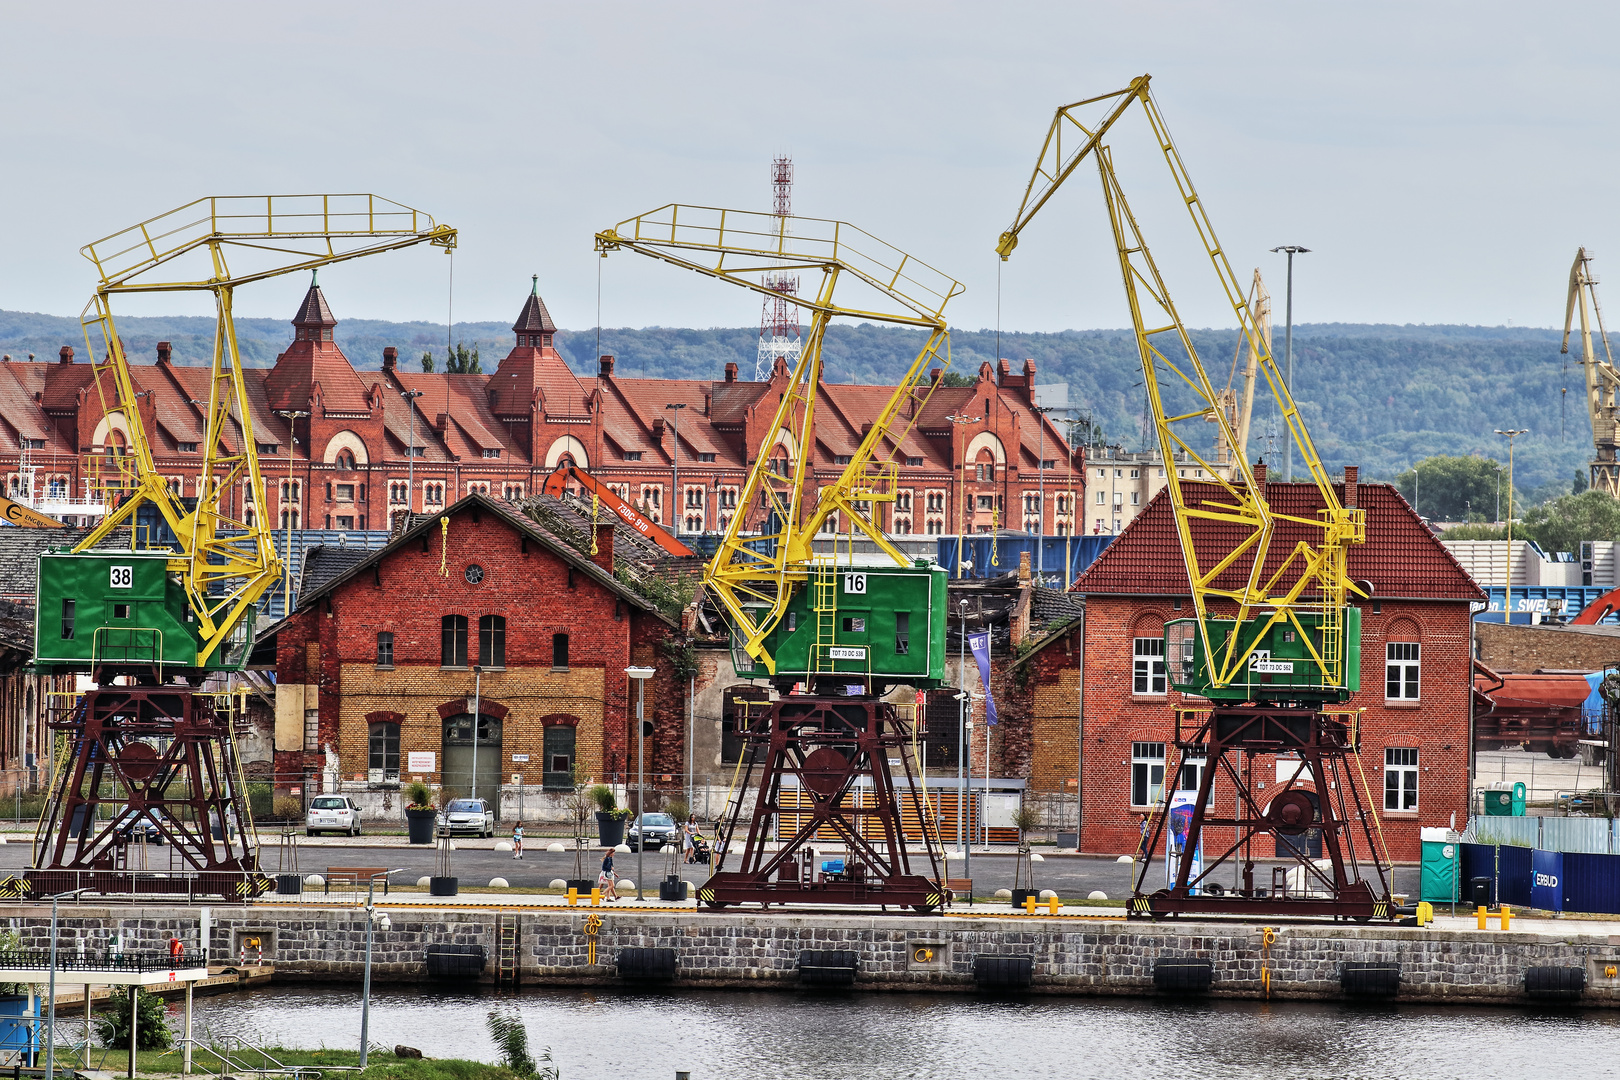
pixel 1588 836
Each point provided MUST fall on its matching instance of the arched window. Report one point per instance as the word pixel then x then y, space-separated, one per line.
pixel 492 641
pixel 344 461
pixel 453 641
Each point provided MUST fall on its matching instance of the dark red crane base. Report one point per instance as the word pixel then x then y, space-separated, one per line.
pixel 157 755
pixel 1326 745
pixel 827 744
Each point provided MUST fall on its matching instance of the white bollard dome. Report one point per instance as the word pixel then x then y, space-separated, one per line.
pixel 314 879
pixel 499 883
pixel 625 848
pixel 559 883
pixel 1048 894
pixel 502 845
pixel 1125 859
pixel 1096 894
pixel 1003 894
pixel 1037 857
pixel 555 847
pixel 624 885
pixel 423 882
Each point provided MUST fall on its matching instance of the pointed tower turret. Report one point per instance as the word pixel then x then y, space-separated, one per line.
pixel 534 326
pixel 313 357
pixel 314 321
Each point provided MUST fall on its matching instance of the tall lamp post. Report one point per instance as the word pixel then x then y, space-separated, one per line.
pixel 677 505
pixel 1068 546
pixel 1507 576
pixel 372 922
pixel 292 416
pixel 641 675
pixel 961 493
pixel 1288 350
pixel 410 397
pixel 50 1012
pixel 962 842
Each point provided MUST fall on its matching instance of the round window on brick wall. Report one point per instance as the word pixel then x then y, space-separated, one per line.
pixel 474 574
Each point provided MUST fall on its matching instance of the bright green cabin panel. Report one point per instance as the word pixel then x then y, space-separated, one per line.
pixel 1281 668
pixel 886 622
pixel 120 607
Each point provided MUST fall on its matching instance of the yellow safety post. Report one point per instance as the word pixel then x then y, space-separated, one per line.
pixel 596 897
pixel 1053 904
pixel 1481 915
pixel 1507 916
pixel 1425 913
pixel 1029 905
pixel 573 895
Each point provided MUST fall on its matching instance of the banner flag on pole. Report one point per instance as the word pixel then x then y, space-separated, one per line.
pixel 980 644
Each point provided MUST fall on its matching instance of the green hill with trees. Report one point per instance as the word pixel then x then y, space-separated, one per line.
pixel 1382 397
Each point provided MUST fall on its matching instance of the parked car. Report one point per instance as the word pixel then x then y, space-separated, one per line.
pixel 661 830
pixel 141 827
pixel 333 813
pixel 467 816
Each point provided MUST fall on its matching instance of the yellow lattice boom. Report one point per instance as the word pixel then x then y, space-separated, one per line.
pixel 1312 577
pixel 753 576
pixel 191 249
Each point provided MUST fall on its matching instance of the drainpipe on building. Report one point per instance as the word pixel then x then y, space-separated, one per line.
pixel 1080 743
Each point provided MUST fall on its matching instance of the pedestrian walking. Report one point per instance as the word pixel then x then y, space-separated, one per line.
pixel 606 879
pixel 517 840
pixel 689 837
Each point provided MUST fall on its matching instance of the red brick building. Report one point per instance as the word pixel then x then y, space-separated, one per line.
pixel 374 445
pixel 1415 642
pixel 377 663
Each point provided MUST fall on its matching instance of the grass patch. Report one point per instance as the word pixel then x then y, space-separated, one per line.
pixel 152 1064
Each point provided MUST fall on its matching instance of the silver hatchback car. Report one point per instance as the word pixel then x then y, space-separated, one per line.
pixel 333 813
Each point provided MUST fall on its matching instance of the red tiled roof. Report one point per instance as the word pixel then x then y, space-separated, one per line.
pixel 1401 557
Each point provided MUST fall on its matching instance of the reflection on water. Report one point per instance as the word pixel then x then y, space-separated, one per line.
pixel 727 1035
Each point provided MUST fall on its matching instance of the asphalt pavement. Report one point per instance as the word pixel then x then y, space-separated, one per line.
pixel 476 862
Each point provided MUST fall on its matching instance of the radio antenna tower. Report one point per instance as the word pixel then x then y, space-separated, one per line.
pixel 779 321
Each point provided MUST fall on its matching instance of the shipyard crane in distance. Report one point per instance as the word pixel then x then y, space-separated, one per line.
pixel 1273 640
pixel 150 623
pixel 1238 404
pixel 1601 375
pixel 832 637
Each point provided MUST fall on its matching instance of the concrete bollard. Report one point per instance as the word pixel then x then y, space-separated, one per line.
pixel 499 883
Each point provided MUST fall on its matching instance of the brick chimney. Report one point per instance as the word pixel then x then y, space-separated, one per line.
pixel 164 352
pixel 390 358
pixel 1260 472
pixel 605 366
pixel 66 355
pixel 935 374
pixel 708 402
pixel 731 373
pixel 1351 475
pixel 604 546
pixel 1029 377
pixel 658 428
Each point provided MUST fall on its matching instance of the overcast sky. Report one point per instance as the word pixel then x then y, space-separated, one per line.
pixel 1442 160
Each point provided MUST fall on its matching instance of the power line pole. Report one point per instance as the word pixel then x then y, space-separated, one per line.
pixel 1288 351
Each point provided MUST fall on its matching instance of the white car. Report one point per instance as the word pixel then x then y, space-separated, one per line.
pixel 333 813
pixel 467 816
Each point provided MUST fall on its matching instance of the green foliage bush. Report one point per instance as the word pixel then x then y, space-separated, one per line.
pixel 112 1025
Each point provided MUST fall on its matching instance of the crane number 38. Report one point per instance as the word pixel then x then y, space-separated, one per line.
pixel 855 583
pixel 123 577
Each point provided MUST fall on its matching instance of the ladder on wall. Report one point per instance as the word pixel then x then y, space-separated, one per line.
pixel 506 948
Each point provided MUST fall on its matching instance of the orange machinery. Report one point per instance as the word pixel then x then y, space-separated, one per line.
pixel 557 484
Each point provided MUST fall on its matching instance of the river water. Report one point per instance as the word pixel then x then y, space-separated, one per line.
pixel 734 1035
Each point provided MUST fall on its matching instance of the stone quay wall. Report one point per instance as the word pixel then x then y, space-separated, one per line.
pixel 761 951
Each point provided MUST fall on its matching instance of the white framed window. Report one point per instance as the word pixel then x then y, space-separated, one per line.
pixel 1136 474
pixel 1147 773
pixel 1102 498
pixel 1401 670
pixel 1400 778
pixel 1191 773
pixel 1136 498
pixel 1147 668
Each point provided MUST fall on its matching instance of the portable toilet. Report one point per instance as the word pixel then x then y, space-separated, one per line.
pixel 1504 799
pixel 19 1018
pixel 1438 883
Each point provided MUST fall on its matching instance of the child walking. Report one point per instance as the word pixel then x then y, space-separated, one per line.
pixel 517 840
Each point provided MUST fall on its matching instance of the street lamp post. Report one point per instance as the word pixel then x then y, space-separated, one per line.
pixel 962 842
pixel 641 675
pixel 365 991
pixel 961 490
pixel 1288 350
pixel 410 397
pixel 292 416
pixel 478 688
pixel 1068 534
pixel 50 1011
pixel 675 481
pixel 1507 576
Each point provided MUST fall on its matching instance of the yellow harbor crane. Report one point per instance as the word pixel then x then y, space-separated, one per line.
pixel 1238 403
pixel 1601 375
pixel 224 562
pixel 755 576
pixel 1310 583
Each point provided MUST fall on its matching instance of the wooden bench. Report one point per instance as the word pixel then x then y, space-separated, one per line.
pixel 355 876
pixel 960 886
